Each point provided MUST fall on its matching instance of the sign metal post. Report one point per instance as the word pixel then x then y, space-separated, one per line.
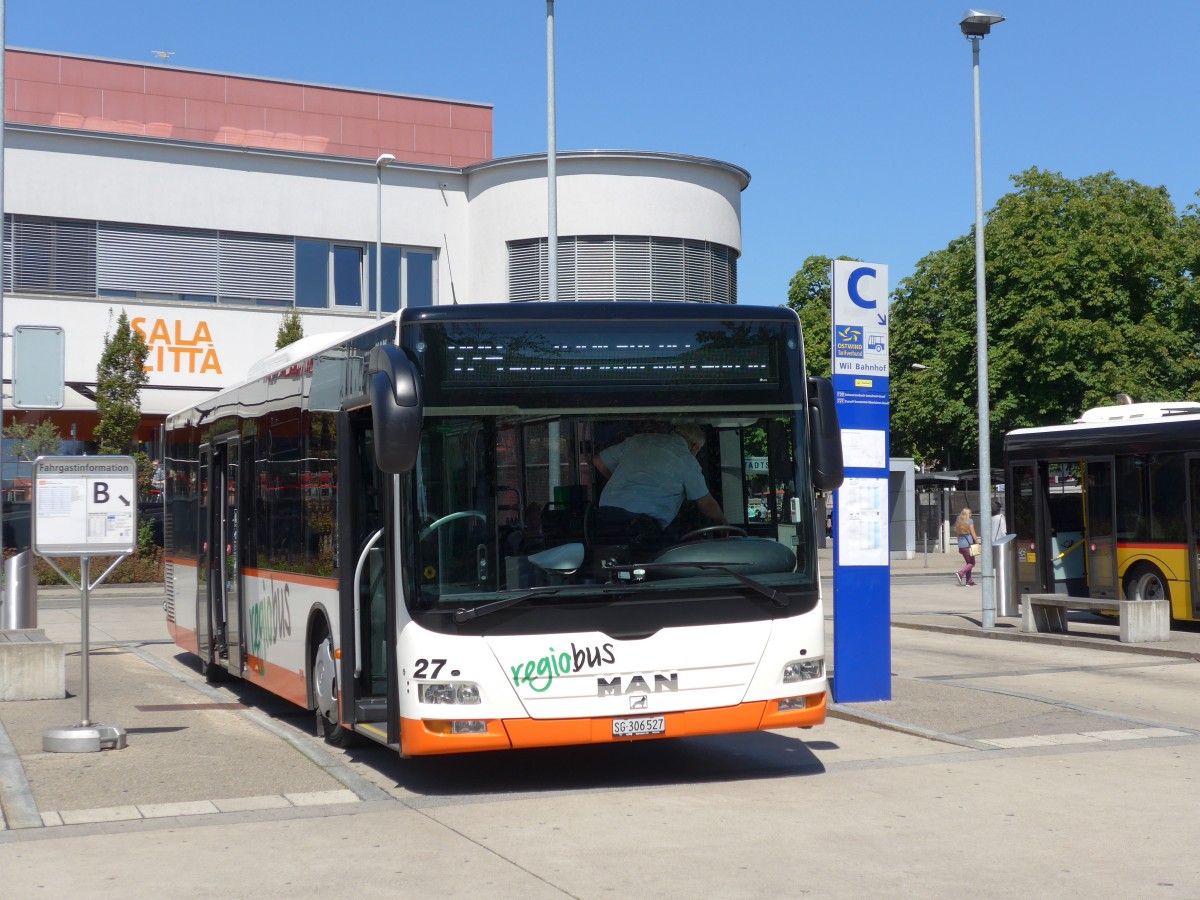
pixel 84 506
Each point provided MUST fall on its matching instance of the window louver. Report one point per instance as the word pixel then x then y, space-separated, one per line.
pixel 257 267
pixel 668 277
pixel 625 267
pixel 54 256
pixel 165 260
pixel 631 260
pixel 526 270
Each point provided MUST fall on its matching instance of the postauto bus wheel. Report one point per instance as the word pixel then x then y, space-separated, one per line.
pixel 1145 582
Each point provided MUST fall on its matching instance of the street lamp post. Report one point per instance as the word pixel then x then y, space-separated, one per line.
pixel 975 24
pixel 551 163
pixel 384 160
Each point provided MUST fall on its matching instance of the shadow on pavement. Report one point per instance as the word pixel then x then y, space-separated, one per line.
pixel 710 758
pixel 673 761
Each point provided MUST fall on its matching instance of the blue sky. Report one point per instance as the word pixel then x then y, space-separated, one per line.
pixel 853 119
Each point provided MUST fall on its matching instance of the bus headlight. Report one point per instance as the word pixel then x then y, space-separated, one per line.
pixel 803 670
pixel 456 692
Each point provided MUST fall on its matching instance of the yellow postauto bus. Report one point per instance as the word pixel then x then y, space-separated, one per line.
pixel 1109 505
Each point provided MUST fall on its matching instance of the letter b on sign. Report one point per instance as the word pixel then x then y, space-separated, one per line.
pixel 100 492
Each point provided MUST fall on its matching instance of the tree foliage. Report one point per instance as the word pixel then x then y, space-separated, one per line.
pixel 291 329
pixel 119 379
pixel 810 295
pixel 1090 293
pixel 31 441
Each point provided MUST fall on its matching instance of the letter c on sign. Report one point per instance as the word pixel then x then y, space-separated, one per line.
pixel 852 287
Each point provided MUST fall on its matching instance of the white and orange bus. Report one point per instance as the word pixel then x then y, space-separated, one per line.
pixel 397 529
pixel 1109 505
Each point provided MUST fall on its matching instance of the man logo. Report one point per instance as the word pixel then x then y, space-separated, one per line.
pixel 639 701
pixel 609 687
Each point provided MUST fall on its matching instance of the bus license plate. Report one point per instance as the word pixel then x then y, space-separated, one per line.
pixel 639 727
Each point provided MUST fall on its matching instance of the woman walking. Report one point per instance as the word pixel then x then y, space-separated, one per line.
pixel 964 527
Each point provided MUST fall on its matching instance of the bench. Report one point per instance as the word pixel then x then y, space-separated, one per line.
pixel 1140 620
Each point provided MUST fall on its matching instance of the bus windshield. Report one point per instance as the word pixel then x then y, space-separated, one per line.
pixel 524 432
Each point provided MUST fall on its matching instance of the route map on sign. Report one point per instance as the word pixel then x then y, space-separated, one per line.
pixel 84 505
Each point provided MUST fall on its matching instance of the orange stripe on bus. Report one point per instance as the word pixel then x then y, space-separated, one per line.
pixel 275 678
pixel 181 561
pixel 183 637
pixel 291 577
pixel 418 739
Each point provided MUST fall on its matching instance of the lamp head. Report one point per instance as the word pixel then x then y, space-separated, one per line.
pixel 978 22
pixel 385 159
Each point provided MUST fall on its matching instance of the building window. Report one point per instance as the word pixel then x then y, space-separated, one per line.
pixel 188 265
pixel 56 256
pixel 420 274
pixel 348 281
pixel 312 274
pixel 625 267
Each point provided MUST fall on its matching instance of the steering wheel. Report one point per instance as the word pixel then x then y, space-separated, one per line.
pixel 710 529
pixel 438 523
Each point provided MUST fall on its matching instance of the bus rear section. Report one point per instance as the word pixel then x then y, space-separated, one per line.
pixel 478 596
pixel 1108 506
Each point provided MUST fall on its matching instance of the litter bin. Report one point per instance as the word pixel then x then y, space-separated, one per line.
pixel 1004 561
pixel 20 593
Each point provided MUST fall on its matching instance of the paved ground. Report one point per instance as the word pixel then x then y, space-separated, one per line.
pixel 1004 764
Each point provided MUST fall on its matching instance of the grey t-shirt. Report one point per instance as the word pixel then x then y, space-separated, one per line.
pixel 651 475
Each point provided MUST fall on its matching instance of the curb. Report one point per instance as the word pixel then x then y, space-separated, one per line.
pixel 1060 640
pixel 16 796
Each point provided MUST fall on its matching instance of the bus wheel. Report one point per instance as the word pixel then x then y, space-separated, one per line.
pixel 1145 582
pixel 324 688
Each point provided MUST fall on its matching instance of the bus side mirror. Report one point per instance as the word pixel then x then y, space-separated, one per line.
pixel 825 436
pixel 394 388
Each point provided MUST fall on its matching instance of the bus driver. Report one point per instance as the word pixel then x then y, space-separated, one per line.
pixel 649 475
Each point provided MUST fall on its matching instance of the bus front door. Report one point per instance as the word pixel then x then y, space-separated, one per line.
pixel 1193 530
pixel 219 615
pixel 1100 533
pixel 365 585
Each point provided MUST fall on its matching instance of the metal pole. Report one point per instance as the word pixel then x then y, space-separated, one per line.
pixel 2 108
pixel 985 449
pixel 379 164
pixel 551 163
pixel 84 582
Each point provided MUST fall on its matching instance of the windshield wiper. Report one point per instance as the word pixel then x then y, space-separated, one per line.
pixel 466 614
pixel 635 570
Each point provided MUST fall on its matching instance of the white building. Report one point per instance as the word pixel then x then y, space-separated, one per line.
pixel 205 205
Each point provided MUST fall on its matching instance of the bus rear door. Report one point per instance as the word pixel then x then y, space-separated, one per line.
pixel 1100 533
pixel 219 615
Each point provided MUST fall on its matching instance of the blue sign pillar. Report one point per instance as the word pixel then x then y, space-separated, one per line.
pixel 862 640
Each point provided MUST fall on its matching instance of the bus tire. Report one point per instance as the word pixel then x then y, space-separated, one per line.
pixel 325 694
pixel 1145 582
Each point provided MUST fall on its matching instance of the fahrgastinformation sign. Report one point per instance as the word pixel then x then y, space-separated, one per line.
pixel 84 505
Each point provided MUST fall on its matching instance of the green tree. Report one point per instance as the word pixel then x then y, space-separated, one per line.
pixel 810 294
pixel 1090 293
pixel 291 329
pixel 119 379
pixel 31 441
